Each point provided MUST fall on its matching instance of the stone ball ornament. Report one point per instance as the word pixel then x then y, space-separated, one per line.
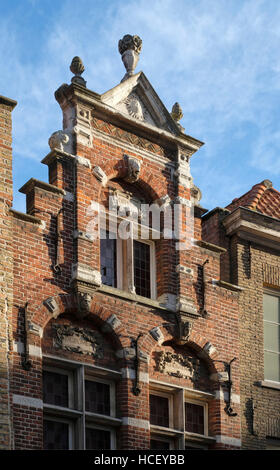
pixel 77 68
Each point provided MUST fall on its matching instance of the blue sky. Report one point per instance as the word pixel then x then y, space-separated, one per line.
pixel 220 59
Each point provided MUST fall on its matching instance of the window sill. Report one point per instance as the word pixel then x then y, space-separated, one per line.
pixel 161 430
pixel 270 384
pixel 102 419
pixel 132 297
pixel 71 413
pixel 199 438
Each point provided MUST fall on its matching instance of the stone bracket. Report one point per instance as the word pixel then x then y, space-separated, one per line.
pixel 86 274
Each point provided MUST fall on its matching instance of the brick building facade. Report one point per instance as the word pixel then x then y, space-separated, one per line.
pixel 136 338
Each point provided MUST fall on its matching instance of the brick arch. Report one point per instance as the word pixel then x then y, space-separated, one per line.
pixel 146 186
pixel 196 341
pixel 99 315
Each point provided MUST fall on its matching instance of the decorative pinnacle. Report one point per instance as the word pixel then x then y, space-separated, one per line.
pixel 77 68
pixel 130 48
pixel 268 184
pixel 176 112
pixel 130 42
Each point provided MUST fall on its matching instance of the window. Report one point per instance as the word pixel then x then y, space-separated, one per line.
pixel 271 311
pixel 128 264
pixel 142 268
pixel 194 418
pixel 161 410
pixel 178 418
pixel 108 261
pixel 161 444
pixel 272 444
pixel 79 407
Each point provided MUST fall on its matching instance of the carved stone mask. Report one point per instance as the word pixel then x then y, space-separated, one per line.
pixel 133 172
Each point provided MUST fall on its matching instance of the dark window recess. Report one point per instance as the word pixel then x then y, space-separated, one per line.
pixel 159 445
pixel 142 276
pixel 98 439
pixel 55 389
pixel 189 447
pixel 159 411
pixel 194 415
pixel 56 435
pixel 97 397
pixel 108 263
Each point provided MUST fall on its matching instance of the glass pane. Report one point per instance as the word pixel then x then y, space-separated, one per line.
pixel 159 411
pixel 55 388
pixel 271 308
pixel 159 445
pixel 98 439
pixel 142 280
pixel 97 399
pixel 108 263
pixel 194 418
pixel 56 435
pixel 271 337
pixel 272 366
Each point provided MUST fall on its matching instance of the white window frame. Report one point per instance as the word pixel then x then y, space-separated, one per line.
pixel 273 293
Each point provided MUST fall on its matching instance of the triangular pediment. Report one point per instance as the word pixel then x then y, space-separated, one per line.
pixel 136 98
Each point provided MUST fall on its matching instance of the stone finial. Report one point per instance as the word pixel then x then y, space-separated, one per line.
pixel 268 184
pixel 130 48
pixel 176 112
pixel 77 68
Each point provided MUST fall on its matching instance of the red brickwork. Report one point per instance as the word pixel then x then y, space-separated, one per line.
pixel 215 315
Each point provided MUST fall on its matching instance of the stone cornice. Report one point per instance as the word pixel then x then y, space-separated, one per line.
pixel 210 246
pixel 25 217
pixel 58 155
pixel 253 226
pixel 219 210
pixel 75 93
pixel 8 101
pixel 34 183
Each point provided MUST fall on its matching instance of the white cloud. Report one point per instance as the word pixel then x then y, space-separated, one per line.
pixel 219 59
